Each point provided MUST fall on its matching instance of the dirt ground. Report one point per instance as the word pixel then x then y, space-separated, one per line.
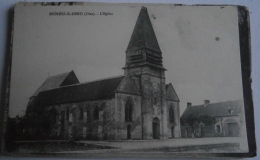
pixel 141 144
pixel 149 148
pixel 154 148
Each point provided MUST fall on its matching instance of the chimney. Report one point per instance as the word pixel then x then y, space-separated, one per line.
pixel 206 102
pixel 188 104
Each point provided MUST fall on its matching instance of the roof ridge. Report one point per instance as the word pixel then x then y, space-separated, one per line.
pixel 86 82
pixel 101 79
pixel 217 103
pixel 228 101
pixel 58 75
pixel 50 78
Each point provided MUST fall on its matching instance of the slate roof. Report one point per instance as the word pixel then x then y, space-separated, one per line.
pixel 215 109
pixel 54 82
pixel 128 86
pixel 143 34
pixel 171 94
pixel 95 90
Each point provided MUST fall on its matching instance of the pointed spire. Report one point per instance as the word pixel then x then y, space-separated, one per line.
pixel 143 35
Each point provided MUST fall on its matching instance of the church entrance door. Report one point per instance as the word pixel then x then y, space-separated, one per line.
pixel 156 128
pixel 128 132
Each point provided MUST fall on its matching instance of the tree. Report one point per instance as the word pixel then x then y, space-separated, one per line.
pixel 191 120
pixel 39 123
pixel 206 119
pixel 197 122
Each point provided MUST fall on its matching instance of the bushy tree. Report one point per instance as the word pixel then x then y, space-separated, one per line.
pixel 207 120
pixel 36 124
pixel 39 123
pixel 195 121
pixel 191 120
pixel 12 133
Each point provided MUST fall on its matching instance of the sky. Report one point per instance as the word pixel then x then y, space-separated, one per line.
pixel 199 44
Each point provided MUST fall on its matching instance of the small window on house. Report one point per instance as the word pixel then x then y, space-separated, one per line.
pixel 171 115
pixel 218 129
pixel 128 110
pixel 96 113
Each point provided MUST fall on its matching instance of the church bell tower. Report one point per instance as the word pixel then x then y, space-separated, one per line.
pixel 144 65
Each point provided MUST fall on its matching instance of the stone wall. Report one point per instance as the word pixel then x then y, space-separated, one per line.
pixel 235 120
pixel 78 119
pixel 154 105
pixel 151 82
pixel 120 124
pixel 220 128
pixel 173 127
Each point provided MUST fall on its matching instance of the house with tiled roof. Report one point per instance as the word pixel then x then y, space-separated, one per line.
pixel 136 105
pixel 222 119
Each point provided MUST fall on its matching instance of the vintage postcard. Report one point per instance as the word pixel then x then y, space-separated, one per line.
pixel 129 80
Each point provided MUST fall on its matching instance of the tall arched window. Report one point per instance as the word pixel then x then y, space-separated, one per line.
pixel 62 119
pixel 85 116
pixel 96 113
pixel 67 114
pixel 80 113
pixel 171 114
pixel 129 110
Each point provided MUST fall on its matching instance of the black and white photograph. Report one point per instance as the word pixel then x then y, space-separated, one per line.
pixel 125 80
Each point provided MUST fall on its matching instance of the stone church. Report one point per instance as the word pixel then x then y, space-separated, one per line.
pixel 136 105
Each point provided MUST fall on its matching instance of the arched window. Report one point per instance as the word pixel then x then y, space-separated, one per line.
pixel 67 114
pixel 129 110
pixel 85 116
pixel 71 117
pixel 154 100
pixel 171 114
pixel 80 113
pixel 62 122
pixel 96 113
